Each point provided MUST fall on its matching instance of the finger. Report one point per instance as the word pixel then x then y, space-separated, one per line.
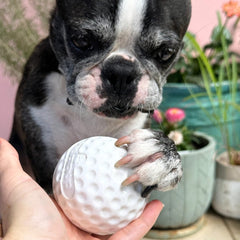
pixel 99 237
pixel 139 227
pixel 23 200
pixel 10 170
pixel 15 184
pixel 8 156
pixel 11 176
pixel 72 231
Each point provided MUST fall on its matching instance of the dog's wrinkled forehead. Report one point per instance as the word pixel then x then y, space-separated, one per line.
pixel 116 54
pixel 107 17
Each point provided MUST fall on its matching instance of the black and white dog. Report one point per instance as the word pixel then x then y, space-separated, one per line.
pixel 99 73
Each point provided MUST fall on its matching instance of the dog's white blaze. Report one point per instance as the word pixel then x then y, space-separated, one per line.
pixel 129 24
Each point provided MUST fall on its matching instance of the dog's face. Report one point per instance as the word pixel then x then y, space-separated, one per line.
pixel 116 54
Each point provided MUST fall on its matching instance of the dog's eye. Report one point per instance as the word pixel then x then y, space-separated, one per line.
pixel 165 54
pixel 82 43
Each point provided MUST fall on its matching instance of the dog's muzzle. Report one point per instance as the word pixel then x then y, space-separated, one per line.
pixel 120 74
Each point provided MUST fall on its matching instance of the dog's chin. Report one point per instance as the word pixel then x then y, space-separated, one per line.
pixel 120 113
pixel 113 112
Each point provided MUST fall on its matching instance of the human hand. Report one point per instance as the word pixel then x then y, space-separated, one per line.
pixel 29 213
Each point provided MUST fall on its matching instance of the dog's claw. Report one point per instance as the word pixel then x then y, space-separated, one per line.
pixel 155 156
pixel 123 140
pixel 153 159
pixel 133 178
pixel 128 158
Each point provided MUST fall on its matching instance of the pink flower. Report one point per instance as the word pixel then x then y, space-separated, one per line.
pixel 174 115
pixel 157 116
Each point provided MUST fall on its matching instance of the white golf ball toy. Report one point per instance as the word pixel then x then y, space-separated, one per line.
pixel 88 188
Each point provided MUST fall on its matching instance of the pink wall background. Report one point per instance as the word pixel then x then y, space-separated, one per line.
pixel 202 22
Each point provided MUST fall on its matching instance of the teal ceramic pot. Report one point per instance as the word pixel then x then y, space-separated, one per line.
pixel 175 94
pixel 192 197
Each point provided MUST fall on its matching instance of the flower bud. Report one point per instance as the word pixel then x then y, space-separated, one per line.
pixel 157 116
pixel 174 115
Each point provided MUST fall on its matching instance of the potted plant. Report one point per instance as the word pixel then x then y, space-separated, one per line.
pixel 227 188
pixel 186 79
pixel 187 203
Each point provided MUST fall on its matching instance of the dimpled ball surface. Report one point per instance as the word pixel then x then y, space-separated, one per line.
pixel 88 188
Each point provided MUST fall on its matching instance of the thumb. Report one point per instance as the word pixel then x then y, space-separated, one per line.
pixel 139 227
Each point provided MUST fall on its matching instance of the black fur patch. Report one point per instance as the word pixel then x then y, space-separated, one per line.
pixel 148 190
pixel 40 64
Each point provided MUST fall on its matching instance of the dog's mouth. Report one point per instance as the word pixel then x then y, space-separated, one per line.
pixel 111 111
pixel 120 111
pixel 116 111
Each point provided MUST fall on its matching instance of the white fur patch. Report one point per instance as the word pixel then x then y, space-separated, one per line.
pixel 142 92
pixel 129 24
pixel 125 54
pixel 143 144
pixel 86 88
pixel 62 125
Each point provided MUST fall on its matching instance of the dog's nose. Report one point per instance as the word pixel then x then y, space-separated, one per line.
pixel 120 73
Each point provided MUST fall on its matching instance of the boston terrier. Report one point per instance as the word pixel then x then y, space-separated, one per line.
pixel 100 72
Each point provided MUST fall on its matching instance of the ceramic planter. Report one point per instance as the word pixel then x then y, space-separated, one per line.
pixel 176 94
pixel 226 198
pixel 192 197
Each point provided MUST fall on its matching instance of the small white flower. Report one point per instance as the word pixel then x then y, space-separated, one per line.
pixel 176 136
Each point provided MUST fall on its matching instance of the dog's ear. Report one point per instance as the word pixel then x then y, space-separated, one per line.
pixel 68 8
pixel 61 4
pixel 56 35
pixel 66 4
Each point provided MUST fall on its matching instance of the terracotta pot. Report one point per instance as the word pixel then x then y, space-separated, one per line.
pixel 226 198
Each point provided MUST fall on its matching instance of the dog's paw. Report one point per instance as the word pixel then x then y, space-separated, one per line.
pixel 154 158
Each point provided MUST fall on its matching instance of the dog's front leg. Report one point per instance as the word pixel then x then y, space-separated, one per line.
pixel 154 158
